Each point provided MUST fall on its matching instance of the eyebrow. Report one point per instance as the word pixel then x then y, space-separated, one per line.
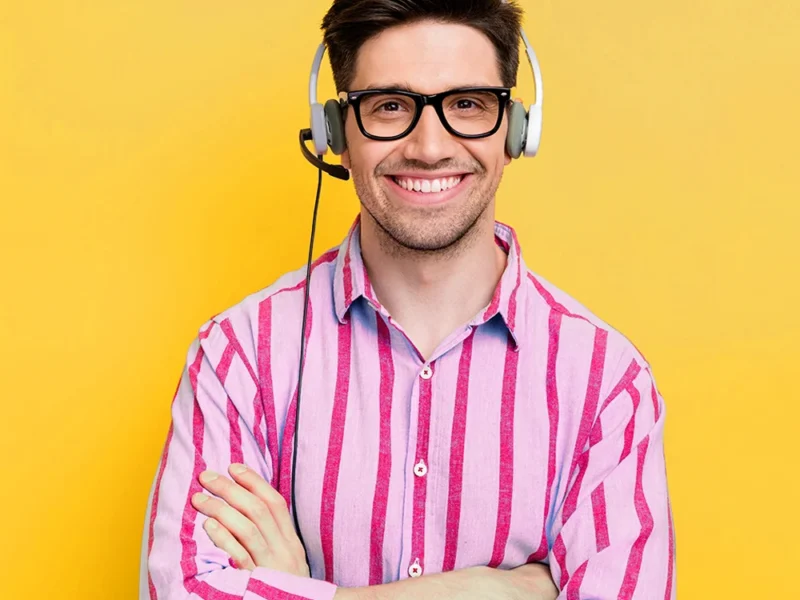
pixel 405 87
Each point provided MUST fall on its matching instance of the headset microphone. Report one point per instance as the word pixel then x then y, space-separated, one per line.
pixel 337 171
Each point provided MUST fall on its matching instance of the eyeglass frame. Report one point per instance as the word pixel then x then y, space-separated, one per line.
pixel 353 99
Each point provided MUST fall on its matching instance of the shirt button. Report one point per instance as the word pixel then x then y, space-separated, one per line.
pixel 415 570
pixel 420 469
pixel 426 373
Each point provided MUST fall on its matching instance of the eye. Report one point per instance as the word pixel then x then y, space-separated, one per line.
pixel 466 104
pixel 391 106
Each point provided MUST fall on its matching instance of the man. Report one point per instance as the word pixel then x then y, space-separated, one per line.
pixel 467 429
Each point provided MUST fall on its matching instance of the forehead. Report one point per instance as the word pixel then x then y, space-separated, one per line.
pixel 427 56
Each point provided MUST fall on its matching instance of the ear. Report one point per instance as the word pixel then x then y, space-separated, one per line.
pixel 345 159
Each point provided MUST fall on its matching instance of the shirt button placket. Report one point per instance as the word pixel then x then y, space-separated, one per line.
pixel 420 470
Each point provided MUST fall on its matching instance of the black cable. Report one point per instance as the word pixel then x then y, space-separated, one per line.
pixel 302 360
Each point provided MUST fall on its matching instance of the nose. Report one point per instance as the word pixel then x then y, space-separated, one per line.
pixel 429 142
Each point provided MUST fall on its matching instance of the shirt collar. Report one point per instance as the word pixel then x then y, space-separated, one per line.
pixel 351 281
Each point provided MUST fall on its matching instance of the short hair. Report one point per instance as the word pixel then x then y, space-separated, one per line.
pixel 350 23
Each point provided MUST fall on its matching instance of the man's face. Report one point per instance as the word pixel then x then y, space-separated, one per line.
pixel 426 58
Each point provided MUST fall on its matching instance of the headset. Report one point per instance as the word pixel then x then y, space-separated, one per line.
pixel 327 132
pixel 327 121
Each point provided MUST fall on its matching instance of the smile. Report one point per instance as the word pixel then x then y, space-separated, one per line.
pixel 428 186
pixel 428 191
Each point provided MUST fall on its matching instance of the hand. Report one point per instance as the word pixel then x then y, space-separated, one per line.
pixel 253 524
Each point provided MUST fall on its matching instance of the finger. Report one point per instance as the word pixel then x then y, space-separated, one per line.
pixel 224 540
pixel 242 528
pixel 247 503
pixel 253 482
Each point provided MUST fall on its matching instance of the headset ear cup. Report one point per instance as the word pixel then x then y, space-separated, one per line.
pixel 533 137
pixel 335 123
pixel 517 129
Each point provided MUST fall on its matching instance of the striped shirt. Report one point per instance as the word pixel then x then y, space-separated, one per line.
pixel 532 434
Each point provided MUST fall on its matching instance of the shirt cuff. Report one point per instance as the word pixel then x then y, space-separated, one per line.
pixel 268 584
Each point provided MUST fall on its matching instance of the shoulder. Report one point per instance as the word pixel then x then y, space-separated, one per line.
pixel 617 369
pixel 583 323
pixel 250 322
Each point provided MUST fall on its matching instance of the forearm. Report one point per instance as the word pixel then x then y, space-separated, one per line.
pixel 529 582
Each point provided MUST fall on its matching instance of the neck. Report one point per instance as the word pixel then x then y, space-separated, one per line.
pixel 430 294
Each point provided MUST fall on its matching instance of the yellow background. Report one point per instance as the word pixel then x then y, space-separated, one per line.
pixel 150 177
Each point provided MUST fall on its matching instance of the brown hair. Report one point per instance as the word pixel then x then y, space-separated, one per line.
pixel 350 23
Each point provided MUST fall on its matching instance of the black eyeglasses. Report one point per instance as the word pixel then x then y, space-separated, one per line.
pixel 390 114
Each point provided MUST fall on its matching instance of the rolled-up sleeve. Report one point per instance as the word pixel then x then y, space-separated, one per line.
pixel 614 535
pixel 217 419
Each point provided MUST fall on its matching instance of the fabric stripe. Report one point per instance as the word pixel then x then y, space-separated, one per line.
pixel 188 544
pixel 630 374
pixel 654 395
pixel 237 456
pixel 494 304
pixel 233 415
pixel 646 521
pixel 237 346
pixel 227 328
pixel 560 553
pixel 579 458
pixel 381 497
pixel 629 428
pixel 457 455
pixel 512 299
pixel 671 555
pixel 551 301
pixel 270 593
pixel 574 585
pixel 348 274
pixel 554 328
pixel 154 508
pixel 368 285
pixel 331 478
pixel 266 407
pixel 506 454
pixel 600 517
pixel 421 483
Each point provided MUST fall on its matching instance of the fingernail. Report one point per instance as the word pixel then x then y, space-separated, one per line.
pixel 200 498
pixel 211 524
pixel 238 469
pixel 208 476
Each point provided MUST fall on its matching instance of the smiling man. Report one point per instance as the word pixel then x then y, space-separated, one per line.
pixel 467 430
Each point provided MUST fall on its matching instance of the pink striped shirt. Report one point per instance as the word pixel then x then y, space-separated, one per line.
pixel 533 433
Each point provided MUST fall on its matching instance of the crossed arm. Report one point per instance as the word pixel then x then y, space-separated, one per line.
pixel 250 522
pixel 612 535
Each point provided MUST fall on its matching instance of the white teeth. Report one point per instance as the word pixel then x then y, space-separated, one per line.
pixel 428 186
